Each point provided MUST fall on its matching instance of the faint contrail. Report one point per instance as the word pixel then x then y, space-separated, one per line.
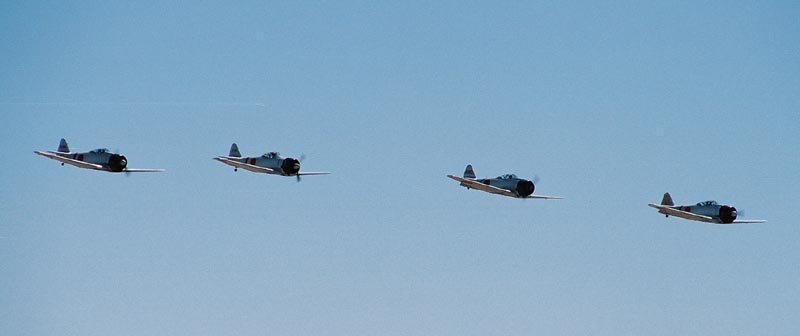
pixel 256 104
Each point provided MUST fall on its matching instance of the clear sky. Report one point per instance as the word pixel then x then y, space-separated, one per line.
pixel 610 104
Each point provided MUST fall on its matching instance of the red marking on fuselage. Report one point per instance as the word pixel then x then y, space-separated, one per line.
pixel 487 182
pixel 80 157
pixel 253 161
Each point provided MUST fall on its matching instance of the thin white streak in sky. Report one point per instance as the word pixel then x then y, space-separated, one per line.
pixel 136 103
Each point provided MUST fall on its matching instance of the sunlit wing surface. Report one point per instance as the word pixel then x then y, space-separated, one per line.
pixel 748 221
pixel 245 166
pixel 313 173
pixel 75 163
pixel 142 170
pixel 544 197
pixel 683 214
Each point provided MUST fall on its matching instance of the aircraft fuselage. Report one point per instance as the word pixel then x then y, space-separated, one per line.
pixel 110 161
pixel 522 187
pixel 281 165
pixel 724 213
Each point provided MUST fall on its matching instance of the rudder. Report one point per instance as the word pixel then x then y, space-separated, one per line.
pixel 667 200
pixel 234 151
pixel 63 147
pixel 469 173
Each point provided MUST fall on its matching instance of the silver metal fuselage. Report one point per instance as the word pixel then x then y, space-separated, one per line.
pixel 521 187
pixel 281 165
pixel 723 213
pixel 110 161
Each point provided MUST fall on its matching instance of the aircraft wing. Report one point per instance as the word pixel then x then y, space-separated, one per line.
pixel 544 197
pixel 76 163
pixel 683 214
pixel 313 173
pixel 483 187
pixel 142 170
pixel 245 166
pixel 747 221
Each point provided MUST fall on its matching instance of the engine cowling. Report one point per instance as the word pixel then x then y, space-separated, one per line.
pixel 117 163
pixel 727 214
pixel 290 166
pixel 525 188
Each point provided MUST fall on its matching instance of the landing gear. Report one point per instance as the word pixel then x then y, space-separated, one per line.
pixel 62 163
pixel 235 169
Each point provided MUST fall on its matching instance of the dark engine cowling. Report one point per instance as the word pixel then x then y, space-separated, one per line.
pixel 117 163
pixel 290 166
pixel 727 214
pixel 525 188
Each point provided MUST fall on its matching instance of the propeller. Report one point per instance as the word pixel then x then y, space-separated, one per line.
pixel 127 173
pixel 300 159
pixel 535 179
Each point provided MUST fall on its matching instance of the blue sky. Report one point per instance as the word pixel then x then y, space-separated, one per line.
pixel 610 104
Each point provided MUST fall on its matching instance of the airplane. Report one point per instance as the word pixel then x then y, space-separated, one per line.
pixel 708 211
pixel 269 163
pixel 507 185
pixel 98 159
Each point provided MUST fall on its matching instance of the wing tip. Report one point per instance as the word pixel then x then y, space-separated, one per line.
pixel 545 197
pixel 144 170
pixel 750 221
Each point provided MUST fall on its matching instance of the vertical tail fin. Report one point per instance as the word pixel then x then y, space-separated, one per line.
pixel 62 146
pixel 469 173
pixel 234 151
pixel 667 200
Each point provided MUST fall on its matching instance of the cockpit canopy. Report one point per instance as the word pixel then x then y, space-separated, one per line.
pixel 100 150
pixel 272 155
pixel 507 177
pixel 707 203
